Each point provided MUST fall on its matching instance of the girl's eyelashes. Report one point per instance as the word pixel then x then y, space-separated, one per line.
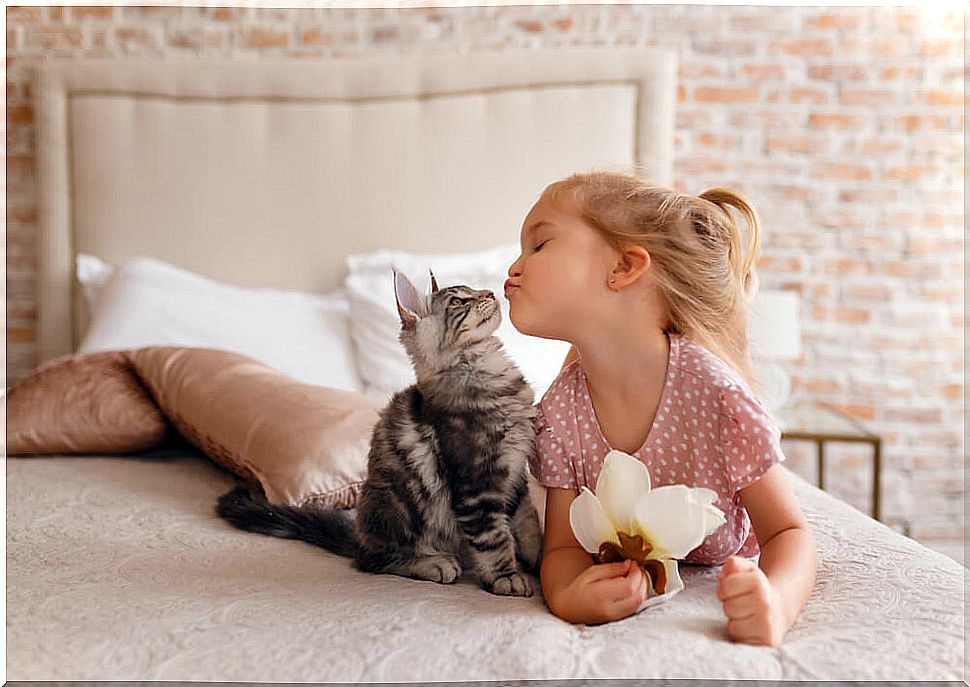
pixel 541 245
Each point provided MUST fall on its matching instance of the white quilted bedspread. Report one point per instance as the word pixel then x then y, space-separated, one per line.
pixel 117 568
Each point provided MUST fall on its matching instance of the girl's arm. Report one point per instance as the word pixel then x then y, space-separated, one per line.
pixel 576 589
pixel 762 601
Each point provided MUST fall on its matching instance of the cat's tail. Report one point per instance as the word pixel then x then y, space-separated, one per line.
pixel 330 528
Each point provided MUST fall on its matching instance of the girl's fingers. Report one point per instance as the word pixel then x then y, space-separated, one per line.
pixel 736 585
pixel 606 571
pixel 739 608
pixel 628 603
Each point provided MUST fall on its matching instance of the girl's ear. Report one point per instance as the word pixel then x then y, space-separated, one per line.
pixel 410 306
pixel 632 262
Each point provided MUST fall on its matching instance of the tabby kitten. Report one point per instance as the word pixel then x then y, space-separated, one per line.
pixel 446 485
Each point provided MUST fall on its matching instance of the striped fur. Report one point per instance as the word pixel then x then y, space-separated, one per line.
pixel 446 489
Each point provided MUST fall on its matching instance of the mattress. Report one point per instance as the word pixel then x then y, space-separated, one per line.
pixel 118 569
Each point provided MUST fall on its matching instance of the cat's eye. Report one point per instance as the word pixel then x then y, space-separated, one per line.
pixel 455 302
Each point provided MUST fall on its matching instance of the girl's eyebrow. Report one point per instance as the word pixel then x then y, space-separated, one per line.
pixel 538 224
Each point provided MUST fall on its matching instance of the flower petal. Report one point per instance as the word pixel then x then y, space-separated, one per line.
pixel 713 518
pixel 589 521
pixel 622 482
pixel 671 520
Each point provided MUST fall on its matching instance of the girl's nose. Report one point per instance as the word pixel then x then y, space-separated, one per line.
pixel 514 269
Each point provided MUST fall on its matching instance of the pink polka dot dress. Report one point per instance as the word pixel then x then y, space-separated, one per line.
pixel 709 431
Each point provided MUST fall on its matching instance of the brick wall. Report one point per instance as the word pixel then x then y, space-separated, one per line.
pixel 842 125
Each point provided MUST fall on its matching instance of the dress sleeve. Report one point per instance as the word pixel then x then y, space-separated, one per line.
pixel 750 440
pixel 550 463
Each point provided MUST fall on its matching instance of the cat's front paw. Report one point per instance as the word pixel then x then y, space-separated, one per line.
pixel 516 584
pixel 442 568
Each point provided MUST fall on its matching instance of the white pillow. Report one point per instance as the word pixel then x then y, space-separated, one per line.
pixel 374 325
pixel 146 302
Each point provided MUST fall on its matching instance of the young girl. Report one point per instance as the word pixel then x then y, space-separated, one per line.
pixel 649 285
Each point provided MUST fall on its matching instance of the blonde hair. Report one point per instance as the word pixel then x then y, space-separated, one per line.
pixel 700 254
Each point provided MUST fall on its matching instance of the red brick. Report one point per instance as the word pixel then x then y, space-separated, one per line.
pixel 383 34
pixel 841 170
pixel 21 334
pixel 922 122
pixel 20 114
pixel 726 94
pixel 26 214
pixel 710 140
pixel 838 72
pixel 941 294
pixel 796 144
pixel 699 70
pixel 852 315
pixel 951 392
pixel 819 313
pixel 226 13
pixel 817 385
pixel 857 410
pixel 772 263
pixel 834 20
pixel 766 119
pixel 940 48
pixel 763 72
pixel 52 38
pixel 258 38
pixel 16 313
pixel 895 72
pixel 842 122
pixel 873 293
pixel 82 13
pixel 915 415
pixel 939 97
pixel 868 96
pixel 805 47
pixel 907 172
pixel 315 37
pixel 875 146
pixel 845 266
pixel 530 26
pixel 563 24
pixel 868 195
pixel 131 36
pixel 23 15
pixel 812 96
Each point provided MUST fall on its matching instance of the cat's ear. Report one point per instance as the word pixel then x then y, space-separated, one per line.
pixel 410 305
pixel 434 283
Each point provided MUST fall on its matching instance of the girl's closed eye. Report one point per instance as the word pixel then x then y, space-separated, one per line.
pixel 540 245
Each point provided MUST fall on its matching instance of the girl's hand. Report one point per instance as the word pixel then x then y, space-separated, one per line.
pixel 603 592
pixel 756 614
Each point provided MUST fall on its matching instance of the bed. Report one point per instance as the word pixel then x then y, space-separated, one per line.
pixel 270 175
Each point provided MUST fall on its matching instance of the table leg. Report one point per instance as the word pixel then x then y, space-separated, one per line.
pixel 876 460
pixel 821 464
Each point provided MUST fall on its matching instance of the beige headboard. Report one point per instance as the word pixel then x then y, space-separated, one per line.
pixel 270 173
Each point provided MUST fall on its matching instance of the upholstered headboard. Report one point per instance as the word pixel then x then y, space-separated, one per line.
pixel 270 173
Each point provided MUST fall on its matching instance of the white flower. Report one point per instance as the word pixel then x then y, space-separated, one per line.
pixel 625 518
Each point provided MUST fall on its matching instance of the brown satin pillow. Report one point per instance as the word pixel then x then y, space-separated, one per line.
pixel 82 403
pixel 300 442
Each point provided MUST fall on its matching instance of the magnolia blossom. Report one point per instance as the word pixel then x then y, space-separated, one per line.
pixel 625 518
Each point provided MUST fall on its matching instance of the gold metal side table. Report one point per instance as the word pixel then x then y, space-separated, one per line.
pixel 821 423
